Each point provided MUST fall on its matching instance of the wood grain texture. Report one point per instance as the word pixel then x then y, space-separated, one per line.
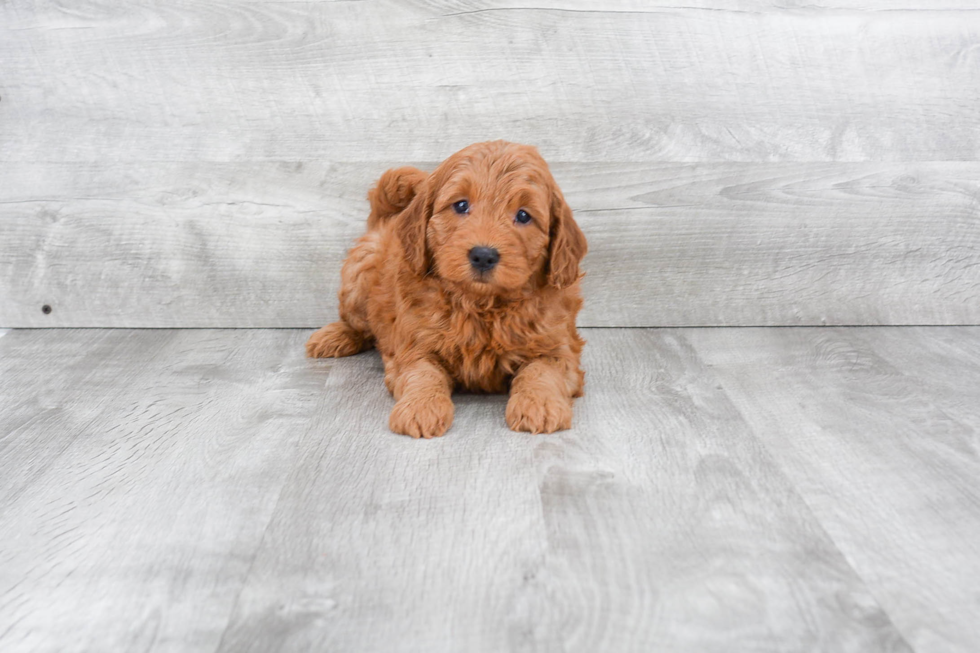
pixel 400 81
pixel 139 470
pixel 878 429
pixel 189 164
pixel 261 244
pixel 219 492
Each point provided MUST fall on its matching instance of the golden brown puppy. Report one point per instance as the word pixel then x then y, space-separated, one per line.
pixel 467 277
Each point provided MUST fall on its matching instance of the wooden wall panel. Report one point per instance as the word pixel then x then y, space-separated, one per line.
pixel 395 81
pixel 260 244
pixel 757 162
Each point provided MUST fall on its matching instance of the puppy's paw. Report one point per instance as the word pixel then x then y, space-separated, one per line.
pixel 536 412
pixel 335 340
pixel 422 417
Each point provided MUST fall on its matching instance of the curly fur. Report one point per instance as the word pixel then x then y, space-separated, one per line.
pixel 408 288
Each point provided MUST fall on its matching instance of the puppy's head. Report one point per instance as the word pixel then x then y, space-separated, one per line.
pixel 492 220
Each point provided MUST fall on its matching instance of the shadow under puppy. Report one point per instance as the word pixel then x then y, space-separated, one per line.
pixel 467 277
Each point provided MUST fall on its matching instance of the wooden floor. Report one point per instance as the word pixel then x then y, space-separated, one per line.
pixel 777 489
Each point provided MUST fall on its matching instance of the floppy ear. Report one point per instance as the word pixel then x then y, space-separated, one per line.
pixel 567 245
pixel 411 228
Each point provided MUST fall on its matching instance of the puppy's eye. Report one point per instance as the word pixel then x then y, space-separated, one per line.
pixel 462 207
pixel 523 217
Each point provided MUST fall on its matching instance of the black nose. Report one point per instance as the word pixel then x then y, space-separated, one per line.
pixel 484 258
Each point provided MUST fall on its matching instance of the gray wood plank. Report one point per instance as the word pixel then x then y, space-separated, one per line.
pixel 397 81
pixel 878 429
pixel 155 461
pixel 658 521
pixel 194 490
pixel 50 394
pixel 261 244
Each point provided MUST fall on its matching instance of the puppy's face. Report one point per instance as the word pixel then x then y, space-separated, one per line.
pixel 494 219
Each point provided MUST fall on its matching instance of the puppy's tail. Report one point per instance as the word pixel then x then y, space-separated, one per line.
pixel 393 192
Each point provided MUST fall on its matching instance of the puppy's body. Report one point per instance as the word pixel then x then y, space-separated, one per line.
pixel 414 288
pixel 481 341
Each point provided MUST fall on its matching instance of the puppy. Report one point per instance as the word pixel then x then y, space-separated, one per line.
pixel 467 278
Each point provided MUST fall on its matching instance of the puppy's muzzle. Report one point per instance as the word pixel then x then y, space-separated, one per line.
pixel 484 259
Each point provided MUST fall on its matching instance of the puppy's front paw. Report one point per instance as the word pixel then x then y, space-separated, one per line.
pixel 539 412
pixel 422 417
pixel 335 340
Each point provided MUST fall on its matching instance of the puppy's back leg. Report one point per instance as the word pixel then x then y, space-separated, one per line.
pixel 352 333
pixel 336 340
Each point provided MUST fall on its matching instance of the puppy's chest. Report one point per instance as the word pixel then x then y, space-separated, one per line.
pixel 484 351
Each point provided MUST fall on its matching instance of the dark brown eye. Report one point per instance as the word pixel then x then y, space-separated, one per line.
pixel 462 207
pixel 522 217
